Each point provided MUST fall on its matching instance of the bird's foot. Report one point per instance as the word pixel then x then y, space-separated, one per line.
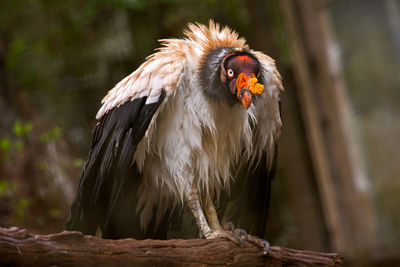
pixel 229 235
pixel 261 243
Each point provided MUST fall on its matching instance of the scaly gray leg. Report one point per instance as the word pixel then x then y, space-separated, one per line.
pixel 193 201
pixel 211 213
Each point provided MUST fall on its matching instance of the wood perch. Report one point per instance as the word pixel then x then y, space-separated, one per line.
pixel 18 247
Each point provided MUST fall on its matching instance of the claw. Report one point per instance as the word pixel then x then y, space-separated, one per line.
pixel 264 244
pixel 267 246
pixel 229 226
pixel 236 235
pixel 226 235
pixel 242 233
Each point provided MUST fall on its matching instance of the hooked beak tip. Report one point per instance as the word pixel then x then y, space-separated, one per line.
pixel 247 87
pixel 245 97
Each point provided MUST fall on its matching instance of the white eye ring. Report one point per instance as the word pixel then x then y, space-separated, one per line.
pixel 230 73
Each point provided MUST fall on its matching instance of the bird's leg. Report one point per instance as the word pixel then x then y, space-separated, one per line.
pixel 211 213
pixel 193 201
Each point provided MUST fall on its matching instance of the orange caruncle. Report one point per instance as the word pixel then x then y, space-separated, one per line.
pixel 243 81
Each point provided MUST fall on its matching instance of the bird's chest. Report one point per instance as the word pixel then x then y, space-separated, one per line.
pixel 206 138
pixel 192 142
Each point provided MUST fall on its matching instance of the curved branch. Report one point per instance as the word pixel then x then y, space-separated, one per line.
pixel 19 247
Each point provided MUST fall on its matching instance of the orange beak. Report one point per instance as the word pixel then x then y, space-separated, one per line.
pixel 247 87
pixel 245 97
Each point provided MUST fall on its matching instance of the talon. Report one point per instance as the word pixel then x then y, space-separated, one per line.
pixel 226 235
pixel 242 233
pixel 267 246
pixel 229 226
pixel 241 242
pixel 261 243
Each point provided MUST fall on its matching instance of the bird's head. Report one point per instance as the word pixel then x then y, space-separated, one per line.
pixel 231 75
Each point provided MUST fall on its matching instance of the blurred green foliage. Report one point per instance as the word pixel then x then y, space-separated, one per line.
pixel 21 129
pixel 20 209
pixel 18 205
pixel 5 145
pixel 53 134
pixel 21 144
pixel 20 137
pixel 7 189
pixel 8 145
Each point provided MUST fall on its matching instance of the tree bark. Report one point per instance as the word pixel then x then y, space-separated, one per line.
pixel 18 247
pixel 340 175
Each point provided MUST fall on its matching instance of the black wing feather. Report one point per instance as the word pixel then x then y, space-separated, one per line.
pixel 247 203
pixel 109 180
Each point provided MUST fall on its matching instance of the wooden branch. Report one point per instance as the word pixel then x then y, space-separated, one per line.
pixel 19 247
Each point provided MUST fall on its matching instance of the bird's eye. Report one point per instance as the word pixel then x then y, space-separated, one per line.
pixel 230 73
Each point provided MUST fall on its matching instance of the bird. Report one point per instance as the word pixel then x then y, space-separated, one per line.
pixel 195 129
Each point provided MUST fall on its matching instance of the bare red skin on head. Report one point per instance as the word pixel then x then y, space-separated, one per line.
pixel 243 81
pixel 243 63
pixel 244 58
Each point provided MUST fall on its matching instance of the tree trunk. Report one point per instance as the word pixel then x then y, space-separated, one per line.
pixel 19 247
pixel 340 175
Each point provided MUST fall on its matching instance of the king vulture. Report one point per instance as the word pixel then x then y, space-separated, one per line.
pixel 193 128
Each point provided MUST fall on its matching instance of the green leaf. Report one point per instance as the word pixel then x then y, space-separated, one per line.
pixel 21 129
pixel 53 134
pixel 5 144
pixel 18 128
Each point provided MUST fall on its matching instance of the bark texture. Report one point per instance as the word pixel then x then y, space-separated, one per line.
pixel 18 247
